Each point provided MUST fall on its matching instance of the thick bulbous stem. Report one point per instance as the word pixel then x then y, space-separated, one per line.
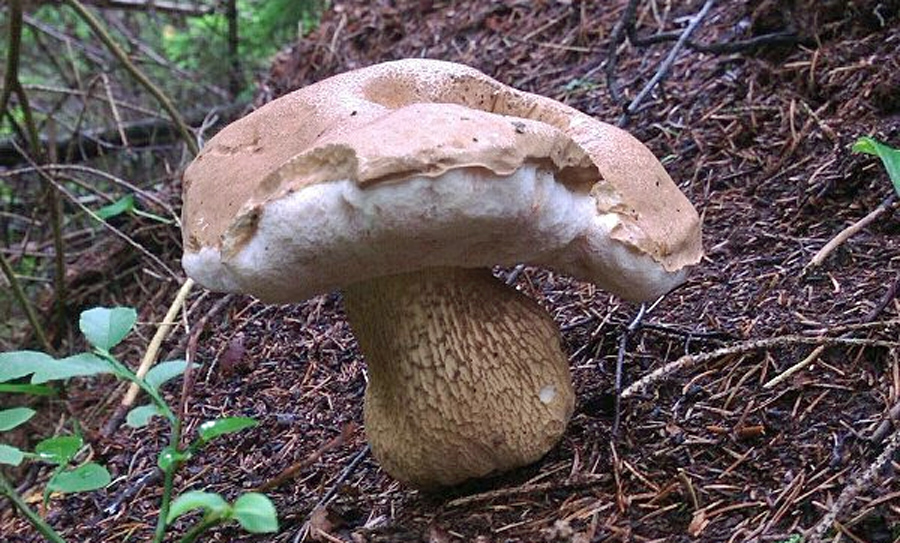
pixel 466 375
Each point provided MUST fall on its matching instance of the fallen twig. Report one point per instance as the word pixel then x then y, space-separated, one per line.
pixel 889 295
pixel 850 231
pixel 528 489
pixel 514 274
pixel 885 426
pixel 814 355
pixel 348 471
pixel 91 213
pixel 160 96
pixel 620 359
pixel 291 471
pixel 625 26
pixel 148 478
pixel 718 48
pixel 852 490
pixel 187 345
pixel 786 374
pixel 687 361
pixel 667 63
pixel 149 358
pixel 616 39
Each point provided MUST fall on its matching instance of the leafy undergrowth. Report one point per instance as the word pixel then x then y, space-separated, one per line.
pixel 759 140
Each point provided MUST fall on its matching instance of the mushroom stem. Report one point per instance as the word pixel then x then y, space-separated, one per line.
pixel 466 375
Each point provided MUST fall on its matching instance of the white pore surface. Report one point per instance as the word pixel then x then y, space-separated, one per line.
pixel 330 235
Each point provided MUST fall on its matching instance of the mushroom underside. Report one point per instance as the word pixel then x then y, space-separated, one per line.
pixel 466 375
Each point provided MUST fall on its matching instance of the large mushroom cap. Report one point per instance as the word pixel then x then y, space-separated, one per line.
pixel 423 163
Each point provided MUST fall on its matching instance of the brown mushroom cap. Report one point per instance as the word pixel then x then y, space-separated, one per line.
pixel 400 165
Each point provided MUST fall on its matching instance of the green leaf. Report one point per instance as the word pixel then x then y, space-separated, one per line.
pixel 165 371
pixel 73 366
pixel 33 390
pixel 10 455
pixel 17 364
pixel 140 416
pixel 152 216
pixel 212 429
pixel 59 449
pixel 10 418
pixel 211 503
pixel 170 456
pixel 889 156
pixel 87 477
pixel 256 513
pixel 105 327
pixel 123 205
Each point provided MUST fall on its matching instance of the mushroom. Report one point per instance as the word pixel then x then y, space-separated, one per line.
pixel 403 184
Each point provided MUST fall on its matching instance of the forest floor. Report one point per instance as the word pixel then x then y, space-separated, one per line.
pixel 758 139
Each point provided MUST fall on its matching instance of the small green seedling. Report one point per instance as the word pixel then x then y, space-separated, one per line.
pixel 253 511
pixel 889 156
pixel 104 328
pixel 126 204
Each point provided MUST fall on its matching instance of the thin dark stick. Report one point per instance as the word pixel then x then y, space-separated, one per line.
pixel 291 471
pixel 891 293
pixel 235 78
pixel 189 343
pixel 150 477
pixel 620 360
pixel 187 379
pixel 114 48
pixel 723 47
pixel 12 84
pixel 860 481
pixel 666 65
pixel 348 471
pixel 618 36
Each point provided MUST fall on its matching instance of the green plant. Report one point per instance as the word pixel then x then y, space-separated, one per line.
pixel 126 204
pixel 264 27
pixel 253 511
pixel 889 156
pixel 104 328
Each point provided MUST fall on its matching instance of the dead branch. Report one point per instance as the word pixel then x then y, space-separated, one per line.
pixel 129 66
pixel 859 483
pixel 348 471
pixel 138 191
pixel 12 85
pixel 118 233
pixel 153 349
pixel 626 27
pixel 163 62
pixel 615 40
pixel 142 133
pixel 851 231
pixel 717 48
pixel 690 360
pixel 667 63
pixel 578 483
pixel 89 94
pixel 94 54
pixel 620 361
pixel 291 471
pixel 163 6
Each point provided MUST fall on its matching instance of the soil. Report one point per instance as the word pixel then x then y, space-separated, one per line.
pixel 759 140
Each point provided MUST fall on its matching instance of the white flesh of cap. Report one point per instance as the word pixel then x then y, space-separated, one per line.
pixel 333 234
